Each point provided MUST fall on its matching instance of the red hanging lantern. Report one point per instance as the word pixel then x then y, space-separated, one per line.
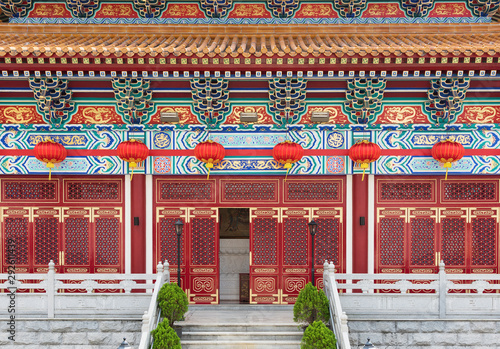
pixel 287 153
pixel 209 152
pixel 364 153
pixel 133 151
pixel 446 152
pixel 51 153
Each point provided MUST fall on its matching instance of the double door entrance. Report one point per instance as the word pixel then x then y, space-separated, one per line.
pixel 279 250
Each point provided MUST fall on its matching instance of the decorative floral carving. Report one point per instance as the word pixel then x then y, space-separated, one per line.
pixel 53 100
pixel 364 99
pixel 133 98
pixel 287 100
pixel 445 99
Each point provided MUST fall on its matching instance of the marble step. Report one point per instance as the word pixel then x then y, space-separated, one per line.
pixel 239 328
pixel 242 336
pixel 241 344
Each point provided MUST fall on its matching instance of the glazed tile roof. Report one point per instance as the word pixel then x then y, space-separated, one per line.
pixel 252 45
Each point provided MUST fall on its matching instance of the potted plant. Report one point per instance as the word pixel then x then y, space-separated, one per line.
pixel 318 336
pixel 173 303
pixel 311 305
pixel 164 337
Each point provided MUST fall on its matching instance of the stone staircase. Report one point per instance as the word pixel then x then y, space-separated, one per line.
pixel 240 326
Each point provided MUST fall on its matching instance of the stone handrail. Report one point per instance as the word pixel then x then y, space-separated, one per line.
pixel 52 285
pixel 425 294
pixel 337 317
pixel 150 317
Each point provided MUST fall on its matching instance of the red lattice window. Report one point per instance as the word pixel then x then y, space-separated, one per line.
pixel 453 241
pixel 295 236
pixel 46 240
pixel 264 241
pixel 483 241
pixel 392 241
pixel 76 234
pixel 93 191
pixel 23 190
pixel 406 191
pixel 422 241
pixel 203 241
pixel 323 191
pixel 107 238
pixel 186 191
pixel 326 241
pixel 17 230
pixel 469 191
pixel 239 191
pixel 168 241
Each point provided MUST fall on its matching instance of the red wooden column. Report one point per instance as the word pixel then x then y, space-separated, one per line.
pixel 359 232
pixel 138 223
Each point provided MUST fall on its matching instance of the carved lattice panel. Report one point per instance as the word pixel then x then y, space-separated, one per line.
pixel 248 191
pixel 165 242
pixel 391 190
pixel 325 191
pixel 203 232
pixel 483 241
pixel 391 237
pixel 46 234
pixel 203 286
pixel 107 241
pixel 327 242
pixel 76 241
pixel 92 191
pixel 185 191
pixel 463 191
pixel 16 225
pixel 168 241
pixel 264 241
pixel 29 191
pixel 264 249
pixel 295 241
pixel 423 239
pixel 453 241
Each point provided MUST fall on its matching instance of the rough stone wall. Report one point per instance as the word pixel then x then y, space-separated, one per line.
pixel 435 334
pixel 71 334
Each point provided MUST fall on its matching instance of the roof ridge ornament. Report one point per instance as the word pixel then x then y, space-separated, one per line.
pixel 53 100
pixel 446 98
pixel 417 8
pixel 82 8
pixel 16 8
pixel 150 8
pixel 133 98
pixel 287 100
pixel 364 99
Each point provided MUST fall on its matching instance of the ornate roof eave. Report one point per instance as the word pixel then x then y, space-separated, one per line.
pixel 250 41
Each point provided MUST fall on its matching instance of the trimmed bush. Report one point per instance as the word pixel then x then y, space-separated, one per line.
pixel 165 337
pixel 318 336
pixel 173 303
pixel 312 305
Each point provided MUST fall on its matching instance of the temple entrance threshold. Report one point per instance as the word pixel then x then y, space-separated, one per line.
pixel 234 255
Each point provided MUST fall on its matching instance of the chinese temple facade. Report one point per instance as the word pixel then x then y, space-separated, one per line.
pixel 90 74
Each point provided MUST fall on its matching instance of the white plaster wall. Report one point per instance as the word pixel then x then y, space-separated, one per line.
pixel 234 259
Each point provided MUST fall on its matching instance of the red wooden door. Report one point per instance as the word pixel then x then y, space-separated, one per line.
pixel 296 256
pixel 422 241
pixel 17 227
pixel 329 241
pixel 76 233
pixel 203 242
pixel 265 250
pixel 165 242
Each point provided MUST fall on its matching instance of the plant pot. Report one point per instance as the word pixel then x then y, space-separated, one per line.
pixel 178 330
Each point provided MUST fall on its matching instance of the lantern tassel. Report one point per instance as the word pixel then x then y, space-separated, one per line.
pixel 364 166
pixel 288 166
pixel 132 166
pixel 447 165
pixel 209 165
pixel 50 166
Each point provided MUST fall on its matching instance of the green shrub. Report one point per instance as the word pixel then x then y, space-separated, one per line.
pixel 173 303
pixel 311 305
pixel 165 337
pixel 318 336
